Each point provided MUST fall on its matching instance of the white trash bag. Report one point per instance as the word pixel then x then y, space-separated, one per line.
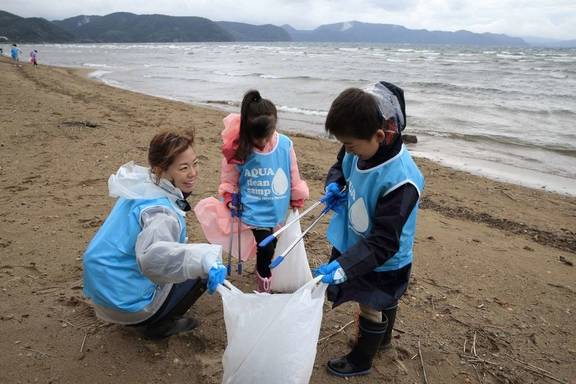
pixel 294 271
pixel 271 338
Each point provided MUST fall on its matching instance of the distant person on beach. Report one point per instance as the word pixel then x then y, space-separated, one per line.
pixel 138 268
pixel 260 166
pixel 34 57
pixel 15 53
pixel 374 188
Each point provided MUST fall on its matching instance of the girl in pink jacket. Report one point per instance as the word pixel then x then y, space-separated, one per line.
pixel 260 165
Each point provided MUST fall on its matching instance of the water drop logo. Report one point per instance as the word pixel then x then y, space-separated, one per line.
pixel 280 183
pixel 358 216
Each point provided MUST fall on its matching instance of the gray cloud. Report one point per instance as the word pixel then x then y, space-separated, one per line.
pixel 545 18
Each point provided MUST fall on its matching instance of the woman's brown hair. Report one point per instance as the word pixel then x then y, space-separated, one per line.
pixel 165 147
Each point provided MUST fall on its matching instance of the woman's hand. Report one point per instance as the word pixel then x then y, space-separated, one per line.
pixel 216 276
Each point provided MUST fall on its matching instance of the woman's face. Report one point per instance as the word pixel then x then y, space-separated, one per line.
pixel 183 171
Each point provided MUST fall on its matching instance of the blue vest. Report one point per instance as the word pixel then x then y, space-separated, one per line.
pixel 365 187
pixel 265 185
pixel 112 277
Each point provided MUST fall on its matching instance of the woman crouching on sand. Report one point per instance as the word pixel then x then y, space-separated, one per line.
pixel 138 268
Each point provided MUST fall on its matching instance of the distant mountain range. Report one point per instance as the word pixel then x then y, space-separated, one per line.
pixel 354 31
pixel 31 30
pixel 124 27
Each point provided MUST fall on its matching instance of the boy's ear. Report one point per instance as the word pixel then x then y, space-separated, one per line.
pixel 391 131
pixel 380 135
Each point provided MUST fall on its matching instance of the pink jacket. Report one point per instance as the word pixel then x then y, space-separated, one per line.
pixel 229 174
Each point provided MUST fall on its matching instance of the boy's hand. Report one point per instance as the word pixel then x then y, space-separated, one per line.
pixel 334 198
pixel 216 276
pixel 331 273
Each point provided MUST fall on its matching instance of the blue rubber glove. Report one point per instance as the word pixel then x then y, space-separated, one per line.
pixel 216 276
pixel 331 273
pixel 334 198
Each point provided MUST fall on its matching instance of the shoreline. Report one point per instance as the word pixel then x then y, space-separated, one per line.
pixel 511 120
pixel 493 264
pixel 462 175
pixel 479 167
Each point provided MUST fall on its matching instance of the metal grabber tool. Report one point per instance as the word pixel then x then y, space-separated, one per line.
pixel 275 235
pixel 276 262
pixel 229 265
pixel 238 204
pixel 267 240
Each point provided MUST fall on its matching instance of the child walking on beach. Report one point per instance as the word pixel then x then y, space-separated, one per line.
pixel 34 57
pixel 260 165
pixel 15 53
pixel 138 268
pixel 372 231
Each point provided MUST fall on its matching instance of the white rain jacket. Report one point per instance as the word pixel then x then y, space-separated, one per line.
pixel 162 255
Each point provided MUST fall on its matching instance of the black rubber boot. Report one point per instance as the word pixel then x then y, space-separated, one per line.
pixel 389 316
pixel 169 327
pixel 359 360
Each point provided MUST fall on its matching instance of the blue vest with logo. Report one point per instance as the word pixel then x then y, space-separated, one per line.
pixel 265 185
pixel 112 277
pixel 365 187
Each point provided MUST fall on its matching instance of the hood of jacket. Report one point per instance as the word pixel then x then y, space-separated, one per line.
pixel 133 182
pixel 230 137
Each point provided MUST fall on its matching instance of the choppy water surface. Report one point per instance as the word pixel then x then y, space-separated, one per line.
pixel 505 113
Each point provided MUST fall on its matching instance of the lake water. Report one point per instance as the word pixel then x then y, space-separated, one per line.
pixel 505 113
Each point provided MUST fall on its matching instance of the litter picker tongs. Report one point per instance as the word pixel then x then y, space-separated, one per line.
pixel 235 212
pixel 275 235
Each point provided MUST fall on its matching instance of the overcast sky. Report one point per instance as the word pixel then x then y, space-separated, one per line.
pixel 540 18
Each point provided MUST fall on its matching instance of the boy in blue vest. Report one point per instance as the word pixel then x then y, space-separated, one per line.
pixel 372 230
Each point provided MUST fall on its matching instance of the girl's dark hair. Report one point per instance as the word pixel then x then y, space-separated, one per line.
pixel 354 113
pixel 165 147
pixel 258 118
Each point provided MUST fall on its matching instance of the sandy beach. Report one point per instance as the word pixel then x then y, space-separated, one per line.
pixel 491 299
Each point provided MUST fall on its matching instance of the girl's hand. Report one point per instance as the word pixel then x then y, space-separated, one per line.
pixel 233 203
pixel 228 201
pixel 297 203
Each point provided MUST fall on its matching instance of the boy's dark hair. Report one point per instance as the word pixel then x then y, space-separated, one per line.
pixel 258 118
pixel 354 113
pixel 360 113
